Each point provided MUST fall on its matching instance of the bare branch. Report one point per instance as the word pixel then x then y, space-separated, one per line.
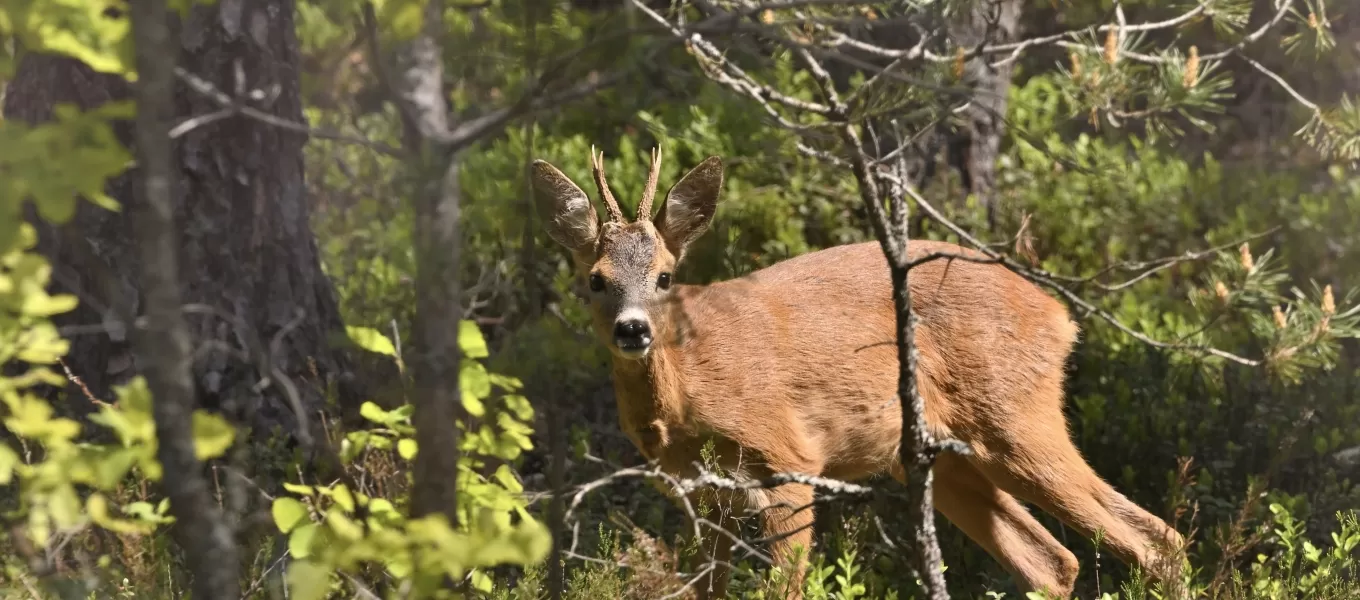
pixel 235 106
pixel 1283 84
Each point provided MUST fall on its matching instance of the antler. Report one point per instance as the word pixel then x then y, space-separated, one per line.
pixel 610 205
pixel 644 210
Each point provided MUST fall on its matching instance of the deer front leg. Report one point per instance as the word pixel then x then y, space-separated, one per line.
pixel 786 520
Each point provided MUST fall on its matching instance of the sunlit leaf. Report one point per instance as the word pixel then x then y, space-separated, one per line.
pixel 98 507
pixel 288 513
pixel 406 447
pixel 475 385
pixel 371 411
pixel 342 497
pixel 9 459
pixel 470 340
pixel 300 541
pixel 213 435
pixel 308 580
pixel 371 339
pixel 305 490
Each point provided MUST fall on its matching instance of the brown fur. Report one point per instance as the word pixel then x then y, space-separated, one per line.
pixel 793 368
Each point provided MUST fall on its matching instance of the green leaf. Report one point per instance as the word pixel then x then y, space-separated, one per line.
pixel 65 507
pixel 56 209
pixel 507 383
pixel 374 413
pixel 470 340
pixel 371 339
pixel 343 526
pixel 403 18
pixel 109 470
pixel 381 506
pixel 341 495
pixel 9 459
pixel 81 30
pixel 212 435
pixel 288 513
pixel 98 507
pixel 303 490
pixel 482 582
pixel 406 447
pixel 308 580
pixel 520 406
pixel 39 304
pixel 475 385
pixel 300 541
pixel 148 513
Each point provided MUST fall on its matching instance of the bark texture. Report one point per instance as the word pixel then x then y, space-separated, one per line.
pixel 436 356
pixel 971 143
pixel 976 145
pixel 247 254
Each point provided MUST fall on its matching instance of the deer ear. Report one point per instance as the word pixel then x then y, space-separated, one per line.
pixel 567 212
pixel 690 206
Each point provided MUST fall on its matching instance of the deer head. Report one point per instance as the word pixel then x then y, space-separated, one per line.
pixel 628 267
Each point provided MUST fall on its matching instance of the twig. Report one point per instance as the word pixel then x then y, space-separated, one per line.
pixel 232 107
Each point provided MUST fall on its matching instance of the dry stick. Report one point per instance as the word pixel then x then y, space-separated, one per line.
pixel 917 450
pixel 747 86
pixel 164 346
pixel 236 106
pixel 681 488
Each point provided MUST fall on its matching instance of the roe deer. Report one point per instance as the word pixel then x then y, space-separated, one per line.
pixel 793 368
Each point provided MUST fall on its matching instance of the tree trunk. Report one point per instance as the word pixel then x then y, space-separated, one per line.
pixel 248 260
pixel 971 143
pixel 975 148
pixel 162 345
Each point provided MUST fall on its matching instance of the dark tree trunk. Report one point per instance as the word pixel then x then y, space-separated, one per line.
pixel 976 146
pixel 247 254
pixel 971 143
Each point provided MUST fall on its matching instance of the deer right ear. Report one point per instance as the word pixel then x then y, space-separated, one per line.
pixel 690 205
pixel 570 218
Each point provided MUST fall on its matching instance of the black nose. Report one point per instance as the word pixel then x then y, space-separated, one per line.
pixel 632 334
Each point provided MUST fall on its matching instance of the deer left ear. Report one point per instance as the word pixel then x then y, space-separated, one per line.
pixel 566 210
pixel 690 206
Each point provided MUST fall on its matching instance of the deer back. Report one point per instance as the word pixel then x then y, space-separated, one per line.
pixel 797 364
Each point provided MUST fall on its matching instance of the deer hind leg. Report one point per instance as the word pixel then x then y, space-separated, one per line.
pixel 1003 527
pixel 786 521
pixel 1039 463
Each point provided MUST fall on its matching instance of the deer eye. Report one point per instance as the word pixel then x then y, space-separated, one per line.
pixel 663 281
pixel 596 282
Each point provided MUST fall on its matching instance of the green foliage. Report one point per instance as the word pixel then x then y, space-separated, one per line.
pixel 65 484
pixel 58 162
pixel 843 573
pixel 1097 195
pixel 1300 569
pixel 332 528
pixel 76 28
pixel 1132 197
pixel 372 340
pixel 61 482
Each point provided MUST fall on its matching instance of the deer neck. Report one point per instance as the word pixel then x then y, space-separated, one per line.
pixel 650 395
